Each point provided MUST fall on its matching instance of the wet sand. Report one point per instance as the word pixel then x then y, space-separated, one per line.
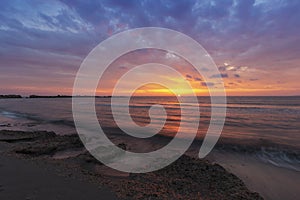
pixel 271 182
pixel 58 167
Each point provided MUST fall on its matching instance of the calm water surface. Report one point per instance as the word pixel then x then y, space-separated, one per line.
pixel 264 120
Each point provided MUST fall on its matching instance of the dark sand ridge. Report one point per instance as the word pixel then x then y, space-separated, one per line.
pixel 187 178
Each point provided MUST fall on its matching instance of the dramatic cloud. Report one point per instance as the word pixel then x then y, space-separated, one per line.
pixel 43 40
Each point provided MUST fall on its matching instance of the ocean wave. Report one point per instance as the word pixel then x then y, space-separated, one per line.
pixel 12 115
pixel 40 120
pixel 63 122
pixel 274 154
pixel 280 158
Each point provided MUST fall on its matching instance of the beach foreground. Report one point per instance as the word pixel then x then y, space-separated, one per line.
pixel 24 179
pixel 60 162
pixel 271 182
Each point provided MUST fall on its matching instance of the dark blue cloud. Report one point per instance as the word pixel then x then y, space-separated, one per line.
pixel 188 76
pixel 222 75
pixel 207 84
pixel 197 79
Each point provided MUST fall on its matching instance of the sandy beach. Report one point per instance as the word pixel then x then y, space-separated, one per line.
pixel 28 179
pixel 41 165
pixel 269 181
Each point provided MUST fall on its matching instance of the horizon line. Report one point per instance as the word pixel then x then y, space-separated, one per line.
pixel 109 96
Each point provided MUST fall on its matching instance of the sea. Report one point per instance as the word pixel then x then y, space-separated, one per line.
pixel 267 127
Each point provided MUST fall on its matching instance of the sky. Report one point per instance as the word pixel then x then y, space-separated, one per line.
pixel 254 43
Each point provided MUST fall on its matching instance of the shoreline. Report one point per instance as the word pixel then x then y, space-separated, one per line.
pixel 271 182
pixel 187 178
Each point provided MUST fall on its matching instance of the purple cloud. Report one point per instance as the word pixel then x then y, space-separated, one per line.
pixel 50 39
